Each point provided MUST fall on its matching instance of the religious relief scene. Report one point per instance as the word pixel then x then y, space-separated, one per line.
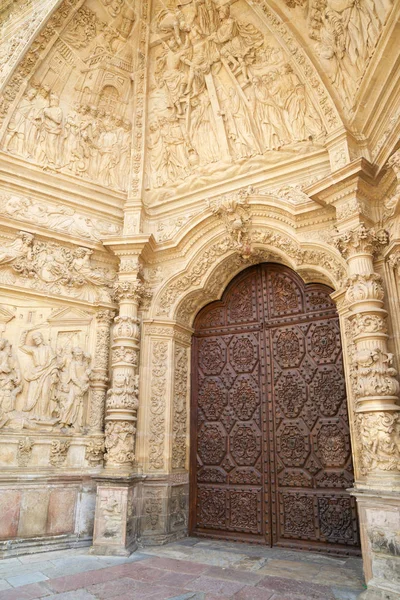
pixel 200 299
pixel 224 97
pixel 73 117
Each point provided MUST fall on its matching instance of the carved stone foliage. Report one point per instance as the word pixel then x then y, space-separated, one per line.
pixel 180 416
pixel 334 28
pixel 49 267
pixel 192 276
pixel 157 404
pixel 119 442
pixel 58 452
pixel 361 240
pixel 95 452
pixel 57 217
pixel 24 451
pixel 379 435
pixel 76 123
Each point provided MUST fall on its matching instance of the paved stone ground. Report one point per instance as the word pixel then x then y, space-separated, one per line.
pixel 190 569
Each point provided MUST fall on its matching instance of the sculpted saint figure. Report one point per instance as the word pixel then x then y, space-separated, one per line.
pixel 20 248
pixel 82 270
pixel 10 378
pixel 171 74
pixel 235 39
pixel 206 16
pixel 42 377
pixel 76 384
pixel 50 138
pixel 18 126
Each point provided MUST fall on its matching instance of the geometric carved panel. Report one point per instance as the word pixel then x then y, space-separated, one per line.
pixel 270 416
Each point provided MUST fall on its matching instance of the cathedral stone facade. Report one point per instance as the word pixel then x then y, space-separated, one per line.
pixel 199 276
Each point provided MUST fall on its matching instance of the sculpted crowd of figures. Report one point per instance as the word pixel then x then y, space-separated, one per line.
pixel 53 388
pixel 221 92
pixel 345 34
pixel 51 267
pixel 85 141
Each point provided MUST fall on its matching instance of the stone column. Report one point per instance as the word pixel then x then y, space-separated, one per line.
pixel 115 530
pixel 377 414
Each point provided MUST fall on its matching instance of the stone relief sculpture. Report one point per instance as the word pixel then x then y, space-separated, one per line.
pixel 57 217
pixel 221 93
pixel 345 35
pixel 50 267
pixel 50 392
pixel 89 134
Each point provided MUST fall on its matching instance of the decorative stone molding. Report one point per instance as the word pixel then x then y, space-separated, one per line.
pixel 179 408
pixel 234 211
pixel 158 404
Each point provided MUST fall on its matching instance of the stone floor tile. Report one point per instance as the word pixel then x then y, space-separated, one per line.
pixel 111 589
pixel 331 576
pixel 176 579
pixel 26 578
pixel 152 593
pixel 234 575
pixel 188 542
pixel 346 593
pixel 251 563
pixel 28 592
pixel 4 585
pixel 292 586
pixel 74 595
pixel 83 580
pixel 53 554
pixel 252 593
pixel 180 566
pixel 214 586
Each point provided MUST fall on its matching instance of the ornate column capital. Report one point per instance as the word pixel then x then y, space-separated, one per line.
pixel 361 240
pixel 132 291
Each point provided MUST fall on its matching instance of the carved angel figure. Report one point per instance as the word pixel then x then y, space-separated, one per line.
pixel 82 271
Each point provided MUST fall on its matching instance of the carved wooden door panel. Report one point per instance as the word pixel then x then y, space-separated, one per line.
pixel 228 490
pixel 271 456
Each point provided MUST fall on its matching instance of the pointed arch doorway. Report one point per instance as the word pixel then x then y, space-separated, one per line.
pixel 270 441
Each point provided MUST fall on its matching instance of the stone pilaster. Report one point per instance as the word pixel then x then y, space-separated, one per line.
pixel 118 487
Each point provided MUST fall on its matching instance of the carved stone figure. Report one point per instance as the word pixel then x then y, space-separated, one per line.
pixel 75 385
pixel 19 249
pixel 10 377
pixel 42 378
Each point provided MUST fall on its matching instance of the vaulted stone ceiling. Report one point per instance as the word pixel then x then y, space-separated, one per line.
pixel 157 101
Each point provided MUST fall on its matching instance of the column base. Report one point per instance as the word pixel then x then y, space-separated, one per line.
pixel 116 516
pixel 377 593
pixel 379 512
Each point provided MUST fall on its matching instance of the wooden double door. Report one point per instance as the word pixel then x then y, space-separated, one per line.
pixel 271 455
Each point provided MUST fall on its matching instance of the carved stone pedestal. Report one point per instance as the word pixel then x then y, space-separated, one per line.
pixel 379 514
pixel 116 518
